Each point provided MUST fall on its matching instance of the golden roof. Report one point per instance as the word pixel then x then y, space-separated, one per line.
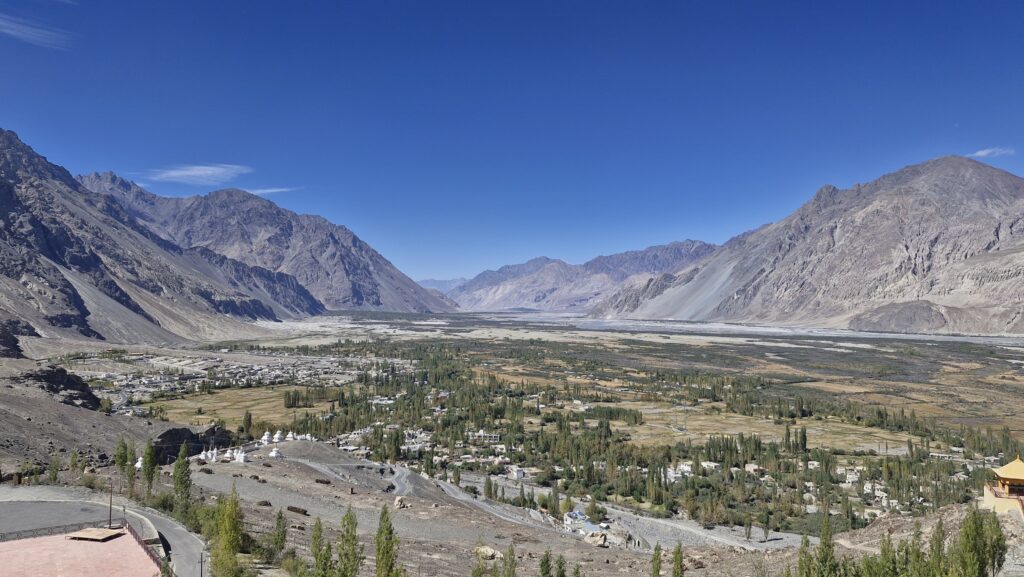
pixel 1011 470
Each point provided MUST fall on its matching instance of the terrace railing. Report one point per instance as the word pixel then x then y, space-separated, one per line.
pixel 55 530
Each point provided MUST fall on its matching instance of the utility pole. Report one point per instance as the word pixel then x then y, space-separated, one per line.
pixel 200 564
pixel 110 506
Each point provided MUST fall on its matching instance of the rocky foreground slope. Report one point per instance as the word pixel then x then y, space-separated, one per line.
pixel 328 260
pixel 937 247
pixel 554 285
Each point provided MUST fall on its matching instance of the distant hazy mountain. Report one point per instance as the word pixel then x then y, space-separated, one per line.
pixel 935 247
pixel 338 268
pixel 74 263
pixel 553 285
pixel 444 286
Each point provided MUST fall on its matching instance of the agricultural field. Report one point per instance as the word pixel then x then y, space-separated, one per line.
pixel 264 403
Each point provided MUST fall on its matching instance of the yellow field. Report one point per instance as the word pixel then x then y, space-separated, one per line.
pixel 265 403
pixel 666 424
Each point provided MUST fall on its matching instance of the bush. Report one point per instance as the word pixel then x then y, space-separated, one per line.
pixel 91 482
pixel 162 501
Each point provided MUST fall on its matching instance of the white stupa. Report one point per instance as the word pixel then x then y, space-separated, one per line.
pixel 240 456
pixel 213 454
pixel 275 453
pixel 138 464
pixel 266 438
pixel 278 437
pixel 290 437
pixel 229 454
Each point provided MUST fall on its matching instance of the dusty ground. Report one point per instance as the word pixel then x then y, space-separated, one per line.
pixel 439 533
pixel 33 427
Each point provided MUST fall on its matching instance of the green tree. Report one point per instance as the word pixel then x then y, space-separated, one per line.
pixel 54 469
pixel 509 564
pixel 567 505
pixel 545 564
pixel 276 541
pixel 386 543
pixel 996 543
pixel 350 552
pixel 480 569
pixel 766 522
pixel 936 550
pixel 228 540
pixel 149 465
pixel 826 564
pixel 121 455
pixel 247 423
pixel 182 484
pixel 678 567
pixel 560 567
pixel 323 559
pixel 656 561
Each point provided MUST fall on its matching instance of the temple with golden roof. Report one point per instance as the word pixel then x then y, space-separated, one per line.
pixel 1007 492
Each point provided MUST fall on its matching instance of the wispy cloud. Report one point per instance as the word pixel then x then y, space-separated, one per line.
pixel 199 174
pixel 263 191
pixel 33 33
pixel 992 152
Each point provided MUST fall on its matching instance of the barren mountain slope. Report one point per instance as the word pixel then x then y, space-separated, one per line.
pixel 73 263
pixel 337 268
pixel 935 247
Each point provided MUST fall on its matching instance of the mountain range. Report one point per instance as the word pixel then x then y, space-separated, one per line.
pixel 98 257
pixel 554 285
pixel 936 247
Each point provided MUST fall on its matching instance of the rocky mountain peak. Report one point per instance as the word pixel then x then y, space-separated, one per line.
pixel 19 162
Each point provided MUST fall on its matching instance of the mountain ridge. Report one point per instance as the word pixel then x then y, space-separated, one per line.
pixel 329 260
pixel 932 247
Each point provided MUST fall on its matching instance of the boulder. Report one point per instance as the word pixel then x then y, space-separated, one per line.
pixel 488 553
pixel 596 538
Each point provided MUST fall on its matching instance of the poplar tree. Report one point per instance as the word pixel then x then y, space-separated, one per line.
pixel 323 559
pixel 545 564
pixel 386 543
pixel 182 484
pixel 509 565
pixel 678 568
pixel 228 539
pixel 149 465
pixel 121 455
pixel 656 561
pixel 350 552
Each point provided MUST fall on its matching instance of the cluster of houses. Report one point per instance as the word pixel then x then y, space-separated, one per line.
pixel 155 375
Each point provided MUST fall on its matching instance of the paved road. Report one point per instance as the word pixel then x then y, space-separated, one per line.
pixel 45 506
pixel 529 520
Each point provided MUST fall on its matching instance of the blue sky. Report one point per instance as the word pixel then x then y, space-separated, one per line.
pixel 458 136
